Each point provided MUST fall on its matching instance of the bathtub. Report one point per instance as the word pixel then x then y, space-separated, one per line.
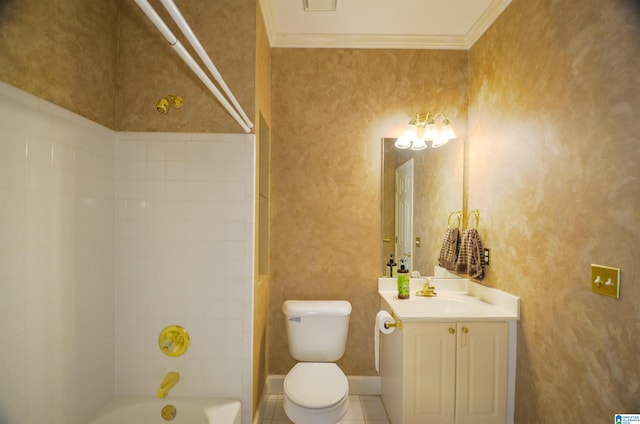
pixel 147 410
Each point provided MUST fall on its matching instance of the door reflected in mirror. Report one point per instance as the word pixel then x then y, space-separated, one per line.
pixel 403 209
pixel 416 224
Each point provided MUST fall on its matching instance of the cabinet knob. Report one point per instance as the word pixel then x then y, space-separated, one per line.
pixel 464 339
pixel 452 330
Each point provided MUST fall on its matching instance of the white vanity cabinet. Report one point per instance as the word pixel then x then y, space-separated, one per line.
pixel 446 372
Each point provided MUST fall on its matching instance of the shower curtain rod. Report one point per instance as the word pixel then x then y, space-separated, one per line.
pixel 195 43
pixel 243 120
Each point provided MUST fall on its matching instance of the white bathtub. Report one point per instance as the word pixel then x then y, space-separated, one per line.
pixel 146 410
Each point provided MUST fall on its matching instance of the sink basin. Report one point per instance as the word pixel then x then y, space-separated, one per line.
pixel 442 305
pixel 455 301
pixel 449 306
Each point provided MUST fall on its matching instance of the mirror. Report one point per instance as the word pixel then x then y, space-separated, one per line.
pixel 437 191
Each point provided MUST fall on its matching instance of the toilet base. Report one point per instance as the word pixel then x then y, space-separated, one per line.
pixel 329 415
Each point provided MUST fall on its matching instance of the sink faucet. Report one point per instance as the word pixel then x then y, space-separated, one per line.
pixel 169 381
pixel 428 290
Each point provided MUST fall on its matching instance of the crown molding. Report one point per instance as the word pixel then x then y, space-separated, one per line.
pixel 268 20
pixel 487 19
pixel 368 41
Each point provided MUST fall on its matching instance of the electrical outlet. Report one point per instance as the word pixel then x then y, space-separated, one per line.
pixel 486 256
pixel 605 280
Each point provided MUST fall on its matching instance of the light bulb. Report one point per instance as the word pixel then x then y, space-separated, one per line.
pixel 419 144
pixel 430 131
pixel 402 143
pixel 439 141
pixel 447 131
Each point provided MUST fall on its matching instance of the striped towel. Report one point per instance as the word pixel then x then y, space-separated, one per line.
pixel 470 259
pixel 450 248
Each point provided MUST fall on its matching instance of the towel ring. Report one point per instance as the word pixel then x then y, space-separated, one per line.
pixel 476 214
pixel 457 214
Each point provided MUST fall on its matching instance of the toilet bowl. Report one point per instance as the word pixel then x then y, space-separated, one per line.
pixel 316 393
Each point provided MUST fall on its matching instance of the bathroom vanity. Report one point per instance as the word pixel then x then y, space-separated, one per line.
pixel 452 357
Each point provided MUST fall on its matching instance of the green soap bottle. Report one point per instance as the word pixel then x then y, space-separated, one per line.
pixel 403 282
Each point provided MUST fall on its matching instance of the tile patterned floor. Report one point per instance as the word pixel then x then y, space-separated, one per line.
pixel 362 410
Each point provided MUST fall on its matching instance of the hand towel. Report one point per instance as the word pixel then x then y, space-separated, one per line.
pixel 470 259
pixel 450 249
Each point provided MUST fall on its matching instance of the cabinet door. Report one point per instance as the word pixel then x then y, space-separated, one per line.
pixel 430 359
pixel 481 391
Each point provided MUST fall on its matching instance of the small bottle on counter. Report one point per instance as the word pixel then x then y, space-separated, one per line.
pixel 403 282
pixel 391 270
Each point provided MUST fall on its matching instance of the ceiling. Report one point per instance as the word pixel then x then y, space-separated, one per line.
pixel 405 24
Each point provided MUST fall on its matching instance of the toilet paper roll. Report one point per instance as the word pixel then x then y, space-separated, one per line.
pixel 382 317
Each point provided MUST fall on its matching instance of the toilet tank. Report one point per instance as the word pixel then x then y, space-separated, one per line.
pixel 317 329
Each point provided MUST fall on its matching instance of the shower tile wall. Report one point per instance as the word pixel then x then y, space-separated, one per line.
pixel 57 184
pixel 183 226
pixel 184 243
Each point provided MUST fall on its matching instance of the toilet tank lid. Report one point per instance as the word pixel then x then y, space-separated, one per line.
pixel 316 307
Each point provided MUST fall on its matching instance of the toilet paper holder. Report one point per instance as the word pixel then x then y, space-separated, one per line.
pixel 388 324
pixel 395 324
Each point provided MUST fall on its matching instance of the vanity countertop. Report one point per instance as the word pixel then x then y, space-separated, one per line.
pixel 457 300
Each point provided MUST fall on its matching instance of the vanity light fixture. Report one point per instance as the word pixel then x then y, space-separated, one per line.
pixel 423 127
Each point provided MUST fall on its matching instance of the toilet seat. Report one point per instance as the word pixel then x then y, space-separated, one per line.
pixel 316 385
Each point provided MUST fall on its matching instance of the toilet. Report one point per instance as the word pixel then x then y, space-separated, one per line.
pixel 316 391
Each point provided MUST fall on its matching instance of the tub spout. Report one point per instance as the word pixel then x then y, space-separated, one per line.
pixel 169 381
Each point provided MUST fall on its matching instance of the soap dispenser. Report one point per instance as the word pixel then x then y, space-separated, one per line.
pixel 404 285
pixel 391 270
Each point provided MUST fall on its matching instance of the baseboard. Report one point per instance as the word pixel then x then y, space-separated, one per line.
pixel 361 385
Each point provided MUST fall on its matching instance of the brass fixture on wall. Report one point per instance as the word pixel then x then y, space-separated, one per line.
pixel 424 127
pixel 163 104
pixel 170 380
pixel 173 340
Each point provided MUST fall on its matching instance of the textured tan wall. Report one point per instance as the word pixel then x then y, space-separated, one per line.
pixel 64 51
pixel 261 287
pixel 331 108
pixel 106 61
pixel 150 69
pixel 553 167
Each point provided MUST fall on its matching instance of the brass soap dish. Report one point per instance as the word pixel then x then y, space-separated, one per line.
pixel 173 340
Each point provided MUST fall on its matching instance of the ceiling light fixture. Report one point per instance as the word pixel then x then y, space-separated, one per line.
pixel 423 127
